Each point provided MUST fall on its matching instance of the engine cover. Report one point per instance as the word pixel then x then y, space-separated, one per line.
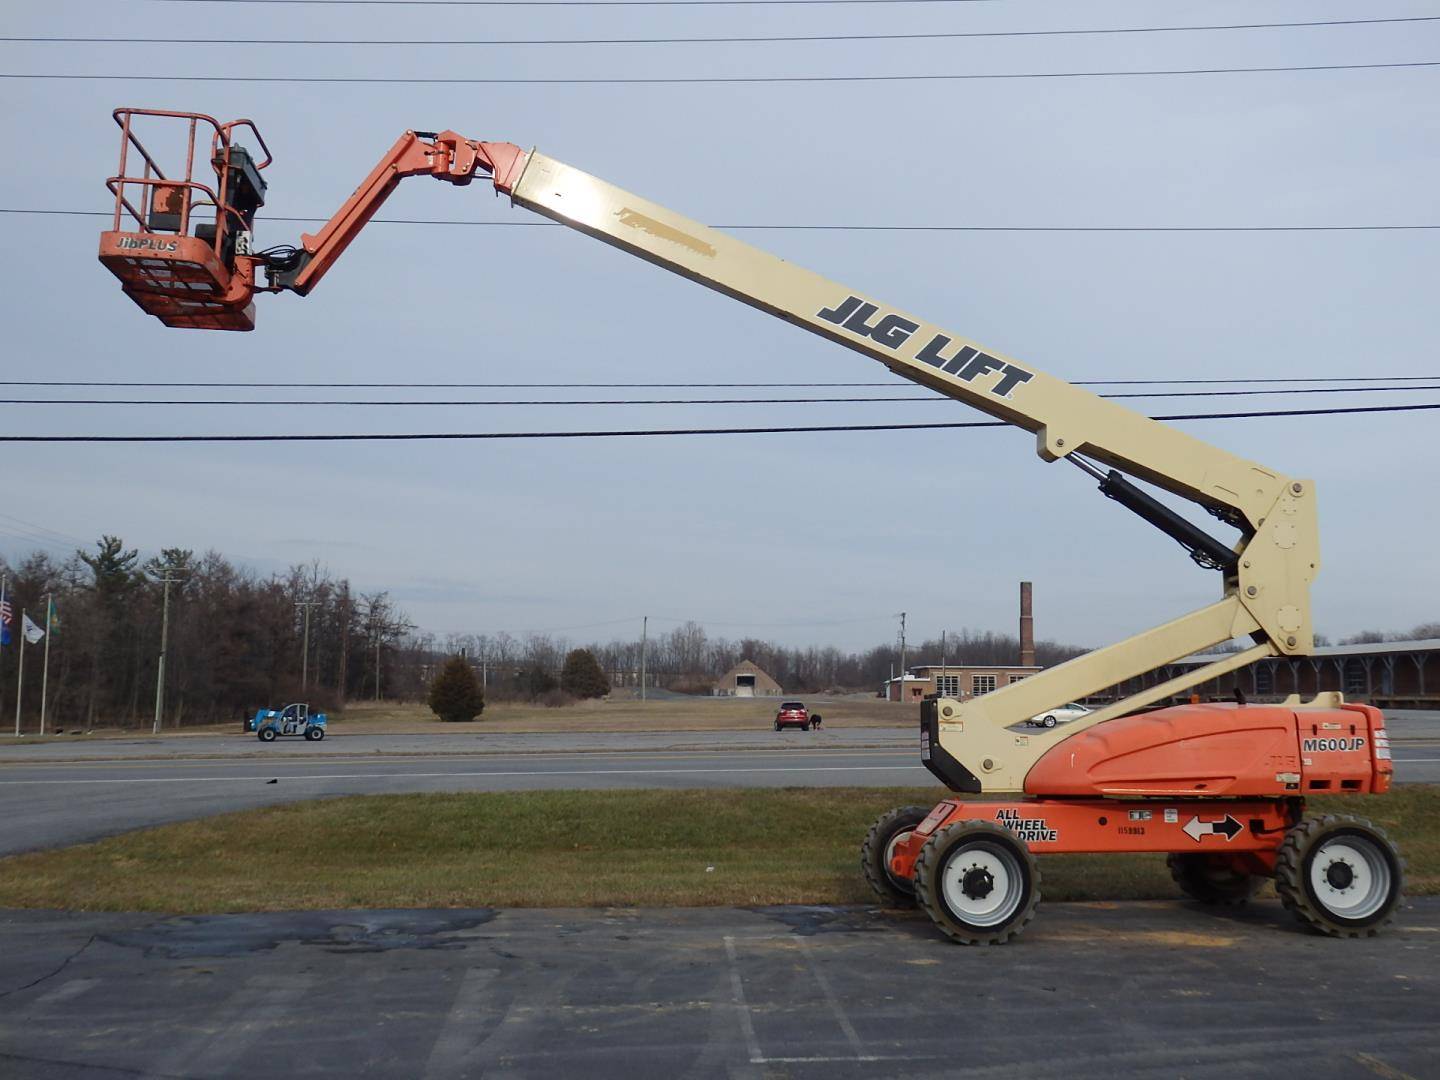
pixel 1221 749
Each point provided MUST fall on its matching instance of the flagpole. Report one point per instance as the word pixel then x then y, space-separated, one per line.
pixel 45 670
pixel 20 677
pixel 4 581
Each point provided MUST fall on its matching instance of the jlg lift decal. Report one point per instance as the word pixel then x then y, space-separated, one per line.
pixel 1030 830
pixel 893 331
pixel 1320 746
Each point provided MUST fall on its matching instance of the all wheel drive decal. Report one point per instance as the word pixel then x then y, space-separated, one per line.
pixel 1030 830
pixel 1321 746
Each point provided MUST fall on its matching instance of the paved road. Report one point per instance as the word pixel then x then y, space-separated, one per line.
pixel 48 805
pixel 1098 990
pixel 342 743
pixel 65 802
pixel 1410 727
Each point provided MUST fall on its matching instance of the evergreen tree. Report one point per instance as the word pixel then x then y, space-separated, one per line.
pixel 455 695
pixel 539 682
pixel 581 677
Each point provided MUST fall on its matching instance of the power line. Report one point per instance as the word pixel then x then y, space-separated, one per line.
pixel 575 3
pixel 437 436
pixel 452 403
pixel 32 527
pixel 666 386
pixel 380 80
pixel 827 228
pixel 718 40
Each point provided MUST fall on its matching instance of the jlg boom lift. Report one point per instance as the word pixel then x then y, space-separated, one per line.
pixel 1219 788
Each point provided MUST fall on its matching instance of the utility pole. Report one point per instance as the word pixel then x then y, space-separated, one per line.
pixel 644 635
pixel 305 648
pixel 942 656
pixel 170 571
pixel 45 670
pixel 902 656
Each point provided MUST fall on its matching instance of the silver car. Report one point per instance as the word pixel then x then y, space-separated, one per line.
pixel 1063 715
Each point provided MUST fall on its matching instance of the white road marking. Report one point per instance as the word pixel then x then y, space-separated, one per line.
pixel 742 1009
pixel 826 989
pixel 71 989
pixel 820 1059
pixel 264 777
pixel 225 1033
pixel 456 1040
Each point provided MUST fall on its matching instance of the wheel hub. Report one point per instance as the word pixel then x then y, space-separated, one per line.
pixel 977 882
pixel 1340 875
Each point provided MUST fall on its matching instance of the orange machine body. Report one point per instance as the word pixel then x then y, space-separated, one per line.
pixel 1221 779
pixel 1221 750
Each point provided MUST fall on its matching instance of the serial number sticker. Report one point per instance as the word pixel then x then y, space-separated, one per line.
pixel 1172 817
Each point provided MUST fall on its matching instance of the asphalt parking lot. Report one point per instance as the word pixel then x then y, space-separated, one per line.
pixel 1113 990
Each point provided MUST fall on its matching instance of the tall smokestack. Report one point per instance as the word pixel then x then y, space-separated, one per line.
pixel 1027 627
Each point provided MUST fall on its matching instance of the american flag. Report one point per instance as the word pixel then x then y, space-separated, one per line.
pixel 5 612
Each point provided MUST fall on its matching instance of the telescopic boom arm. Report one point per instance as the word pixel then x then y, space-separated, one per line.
pixel 1265 575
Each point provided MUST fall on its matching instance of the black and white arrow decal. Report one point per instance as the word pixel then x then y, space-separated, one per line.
pixel 1227 827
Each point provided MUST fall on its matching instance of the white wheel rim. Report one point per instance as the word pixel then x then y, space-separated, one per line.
pixel 903 834
pixel 1350 877
pixel 982 884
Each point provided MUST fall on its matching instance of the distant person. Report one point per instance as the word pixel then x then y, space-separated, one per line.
pixel 815 721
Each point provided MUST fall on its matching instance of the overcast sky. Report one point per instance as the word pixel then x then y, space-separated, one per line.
pixel 800 538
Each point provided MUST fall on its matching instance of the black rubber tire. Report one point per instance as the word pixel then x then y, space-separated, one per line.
pixel 1213 879
pixel 1048 722
pixel 777 725
pixel 314 734
pixel 954 841
pixel 1292 874
pixel 805 726
pixel 266 734
pixel 891 890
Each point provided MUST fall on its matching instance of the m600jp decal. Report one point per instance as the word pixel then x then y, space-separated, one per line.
pixel 1321 746
pixel 892 331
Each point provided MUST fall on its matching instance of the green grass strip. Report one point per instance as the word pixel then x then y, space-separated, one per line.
pixel 569 849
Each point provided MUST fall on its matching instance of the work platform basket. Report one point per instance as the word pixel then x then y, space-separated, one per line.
pixel 181 246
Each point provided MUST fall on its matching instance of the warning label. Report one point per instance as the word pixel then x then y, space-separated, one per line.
pixel 1031 830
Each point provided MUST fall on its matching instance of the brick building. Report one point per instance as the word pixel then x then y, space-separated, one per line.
pixel 959 681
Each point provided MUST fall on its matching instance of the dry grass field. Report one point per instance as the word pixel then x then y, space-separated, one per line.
pixel 620 715
pixel 680 714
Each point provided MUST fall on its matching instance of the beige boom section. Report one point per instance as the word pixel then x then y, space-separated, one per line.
pixel 1265 592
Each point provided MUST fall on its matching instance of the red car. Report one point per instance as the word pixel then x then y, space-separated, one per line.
pixel 792 714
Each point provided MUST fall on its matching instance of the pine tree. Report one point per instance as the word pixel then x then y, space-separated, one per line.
pixel 581 677
pixel 455 695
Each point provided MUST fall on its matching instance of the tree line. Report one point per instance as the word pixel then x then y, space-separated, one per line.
pixel 236 642
pixel 688 660
pixel 235 638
